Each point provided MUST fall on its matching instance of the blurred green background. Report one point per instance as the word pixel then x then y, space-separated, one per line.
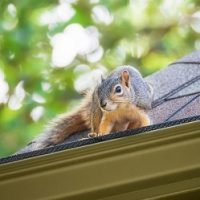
pixel 51 51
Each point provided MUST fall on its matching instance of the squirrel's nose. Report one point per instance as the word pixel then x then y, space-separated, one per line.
pixel 103 103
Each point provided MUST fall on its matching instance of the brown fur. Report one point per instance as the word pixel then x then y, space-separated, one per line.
pixel 70 123
pixel 127 116
pixel 120 114
pixel 65 125
pixel 89 115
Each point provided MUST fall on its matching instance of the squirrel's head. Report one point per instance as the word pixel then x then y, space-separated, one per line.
pixel 113 92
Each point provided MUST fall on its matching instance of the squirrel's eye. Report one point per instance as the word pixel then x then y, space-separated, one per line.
pixel 118 89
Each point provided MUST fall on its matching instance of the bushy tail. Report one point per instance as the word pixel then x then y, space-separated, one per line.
pixel 61 128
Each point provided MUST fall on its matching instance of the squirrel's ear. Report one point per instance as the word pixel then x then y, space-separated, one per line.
pixel 125 78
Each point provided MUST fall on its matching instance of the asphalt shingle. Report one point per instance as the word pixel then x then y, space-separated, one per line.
pixel 177 87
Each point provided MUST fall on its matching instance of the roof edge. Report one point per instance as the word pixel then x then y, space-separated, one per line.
pixel 95 140
pixel 164 163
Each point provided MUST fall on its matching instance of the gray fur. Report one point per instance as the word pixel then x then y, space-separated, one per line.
pixel 142 93
pixel 105 88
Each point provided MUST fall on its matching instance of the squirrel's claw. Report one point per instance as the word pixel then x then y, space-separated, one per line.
pixel 90 135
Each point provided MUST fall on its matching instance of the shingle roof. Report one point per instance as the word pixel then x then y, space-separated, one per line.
pixel 177 96
pixel 177 90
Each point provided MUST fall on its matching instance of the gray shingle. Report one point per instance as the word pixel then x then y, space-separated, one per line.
pixel 177 75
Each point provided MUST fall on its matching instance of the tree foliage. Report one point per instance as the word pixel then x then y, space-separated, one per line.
pixel 51 51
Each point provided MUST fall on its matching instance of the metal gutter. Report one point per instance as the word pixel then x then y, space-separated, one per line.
pixel 163 164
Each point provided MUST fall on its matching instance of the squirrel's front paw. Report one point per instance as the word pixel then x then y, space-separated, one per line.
pixel 92 135
pixel 101 134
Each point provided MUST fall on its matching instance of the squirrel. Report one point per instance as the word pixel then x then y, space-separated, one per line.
pixel 117 103
pixel 120 101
